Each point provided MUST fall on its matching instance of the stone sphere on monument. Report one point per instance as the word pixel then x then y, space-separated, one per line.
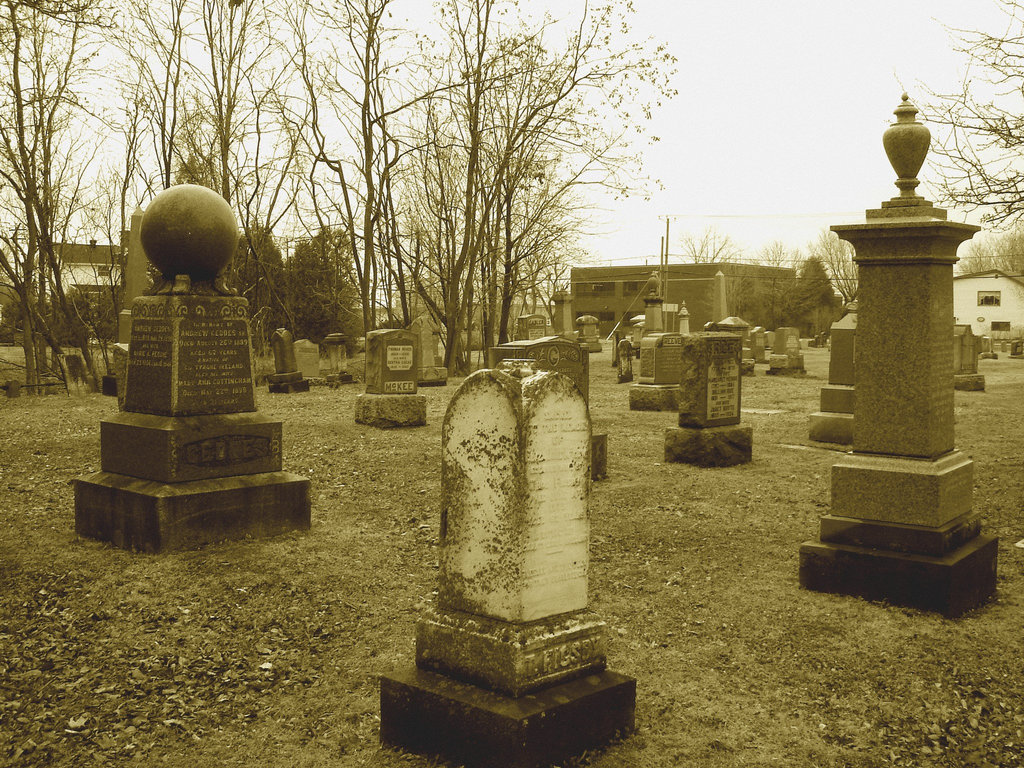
pixel 189 230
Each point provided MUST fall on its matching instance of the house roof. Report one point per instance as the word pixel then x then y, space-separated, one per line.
pixel 993 273
pixel 88 253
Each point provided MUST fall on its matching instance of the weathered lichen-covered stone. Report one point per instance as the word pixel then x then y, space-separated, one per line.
pixel 514 477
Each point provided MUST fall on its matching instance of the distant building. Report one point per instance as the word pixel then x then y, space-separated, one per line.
pixel 616 293
pixel 992 302
pixel 90 267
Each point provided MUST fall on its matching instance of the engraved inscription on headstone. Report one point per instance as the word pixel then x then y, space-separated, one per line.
pixel 723 387
pixel 215 351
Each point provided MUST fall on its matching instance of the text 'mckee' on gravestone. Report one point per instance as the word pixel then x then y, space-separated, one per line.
pixel 901 527
pixel 709 432
pixel 511 614
pixel 189 461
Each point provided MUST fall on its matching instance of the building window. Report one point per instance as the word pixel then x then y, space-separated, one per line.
pixel 988 298
pixel 633 287
pixel 595 289
pixel 605 317
pixel 1000 325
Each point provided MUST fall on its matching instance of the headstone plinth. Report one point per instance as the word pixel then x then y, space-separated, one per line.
pixel 657 387
pixel 833 423
pixel 510 663
pixel 901 527
pixel 709 432
pixel 188 461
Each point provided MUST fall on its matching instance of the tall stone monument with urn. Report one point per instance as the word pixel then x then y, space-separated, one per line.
pixel 189 460
pixel 901 527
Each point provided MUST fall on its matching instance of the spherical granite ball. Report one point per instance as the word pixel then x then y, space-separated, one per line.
pixel 189 230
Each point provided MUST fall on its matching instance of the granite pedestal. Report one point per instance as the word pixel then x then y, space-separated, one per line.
pixel 391 411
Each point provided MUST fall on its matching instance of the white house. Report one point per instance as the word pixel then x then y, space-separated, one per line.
pixel 992 302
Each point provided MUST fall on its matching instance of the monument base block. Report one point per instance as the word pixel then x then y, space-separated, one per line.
pixel 710 446
pixel 288 387
pixel 832 427
pixel 785 365
pixel 969 382
pixel 335 380
pixel 391 411
pixel 654 397
pixel 432 376
pixel 148 516
pixel 951 584
pixel 109 385
pixel 429 713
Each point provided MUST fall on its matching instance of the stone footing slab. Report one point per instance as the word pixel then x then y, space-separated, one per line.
pixel 432 376
pixel 288 387
pixel 920 539
pixel 969 382
pixel 951 584
pixel 897 489
pixel 161 517
pixel 832 427
pixel 429 713
pixel 391 411
pixel 654 397
pixel 710 446
pixel 507 657
pixel 335 380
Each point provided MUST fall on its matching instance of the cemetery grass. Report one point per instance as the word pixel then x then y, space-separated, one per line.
pixel 267 652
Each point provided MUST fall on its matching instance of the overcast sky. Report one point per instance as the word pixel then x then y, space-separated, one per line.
pixel 776 131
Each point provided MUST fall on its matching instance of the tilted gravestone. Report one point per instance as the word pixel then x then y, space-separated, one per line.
pixel 510 661
pixel 392 371
pixel 834 422
pixel 287 377
pixel 709 432
pixel 625 361
pixel 901 527
pixel 189 461
pixel 657 387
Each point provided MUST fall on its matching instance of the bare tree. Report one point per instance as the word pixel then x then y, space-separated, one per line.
pixel 44 153
pixel 709 247
pixel 980 150
pixel 837 257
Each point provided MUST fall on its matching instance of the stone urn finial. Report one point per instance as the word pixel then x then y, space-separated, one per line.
pixel 906 144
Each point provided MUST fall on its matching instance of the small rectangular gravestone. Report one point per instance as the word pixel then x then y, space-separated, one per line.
pixel 531 327
pixel 392 371
pixel 501 655
pixel 965 360
pixel 307 358
pixel 709 432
